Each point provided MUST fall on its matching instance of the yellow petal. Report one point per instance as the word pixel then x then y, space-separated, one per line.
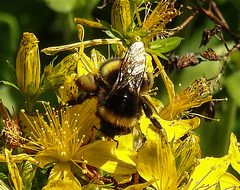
pixel 61 173
pixel 86 65
pixel 125 148
pixel 167 81
pixel 86 119
pixel 140 186
pixel 69 90
pixel 44 158
pixel 228 181
pixel 13 170
pixel 59 184
pixel 149 66
pixel 67 65
pixel 18 158
pixel 208 172
pixel 175 129
pixel 101 154
pixel 155 161
pixel 186 153
pixel 234 153
pixel 97 58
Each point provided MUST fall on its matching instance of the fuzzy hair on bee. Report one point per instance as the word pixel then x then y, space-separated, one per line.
pixel 119 87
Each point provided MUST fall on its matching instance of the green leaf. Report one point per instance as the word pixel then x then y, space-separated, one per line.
pixel 27 174
pixel 156 53
pixel 104 23
pixel 3 178
pixel 40 179
pixel 165 45
pixel 12 70
pixel 109 33
pixel 10 84
pixel 116 33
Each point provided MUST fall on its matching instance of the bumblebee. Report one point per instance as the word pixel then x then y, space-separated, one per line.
pixel 119 87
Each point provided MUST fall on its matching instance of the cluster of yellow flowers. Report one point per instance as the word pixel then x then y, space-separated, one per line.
pixel 66 140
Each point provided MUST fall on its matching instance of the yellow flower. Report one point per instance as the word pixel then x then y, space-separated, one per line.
pixel 67 130
pixel 177 165
pixel 212 171
pixel 59 140
pixel 155 161
pixel 194 96
pixel 163 13
pixel 64 138
pixel 164 157
pixel 28 65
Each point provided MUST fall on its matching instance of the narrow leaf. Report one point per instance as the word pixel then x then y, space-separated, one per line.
pixel 10 84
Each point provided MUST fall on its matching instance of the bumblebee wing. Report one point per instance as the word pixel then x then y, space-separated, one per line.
pixel 132 68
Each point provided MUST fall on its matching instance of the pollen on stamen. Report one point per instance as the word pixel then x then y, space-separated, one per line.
pixel 152 93
pixel 82 138
pixel 84 172
pixel 213 168
pixel 63 153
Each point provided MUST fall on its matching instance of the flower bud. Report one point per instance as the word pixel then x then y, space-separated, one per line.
pixel 28 65
pixel 121 16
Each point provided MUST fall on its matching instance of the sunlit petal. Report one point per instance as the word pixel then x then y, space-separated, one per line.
pixel 13 170
pixel 101 154
pixel 155 161
pixel 175 129
pixel 62 178
pixel 234 153
pixel 228 181
pixel 208 172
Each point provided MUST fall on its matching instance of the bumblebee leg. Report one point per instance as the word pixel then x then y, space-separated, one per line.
pixel 81 98
pixel 84 96
pixel 149 113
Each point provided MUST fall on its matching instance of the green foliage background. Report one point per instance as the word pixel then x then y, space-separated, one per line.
pixel 52 22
